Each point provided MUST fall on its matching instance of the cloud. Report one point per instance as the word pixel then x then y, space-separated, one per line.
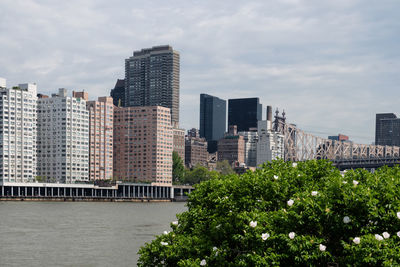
pixel 330 64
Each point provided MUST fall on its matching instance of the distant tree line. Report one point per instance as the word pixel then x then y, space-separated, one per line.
pixel 197 174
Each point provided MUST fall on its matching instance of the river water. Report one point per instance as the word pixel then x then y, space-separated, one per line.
pixel 80 233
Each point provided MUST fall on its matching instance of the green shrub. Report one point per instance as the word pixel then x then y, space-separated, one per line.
pixel 305 215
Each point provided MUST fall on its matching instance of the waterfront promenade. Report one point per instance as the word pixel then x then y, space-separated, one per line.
pixel 135 192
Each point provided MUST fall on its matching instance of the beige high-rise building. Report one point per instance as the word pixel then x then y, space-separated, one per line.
pixel 179 142
pixel 101 117
pixel 195 149
pixel 143 144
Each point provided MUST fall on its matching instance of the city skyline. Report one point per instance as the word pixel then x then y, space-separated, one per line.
pixel 331 66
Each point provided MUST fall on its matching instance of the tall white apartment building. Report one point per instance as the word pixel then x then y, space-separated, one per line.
pixel 250 147
pixel 17 133
pixel 3 83
pixel 63 138
pixel 270 144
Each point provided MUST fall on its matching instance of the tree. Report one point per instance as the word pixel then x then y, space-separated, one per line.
pixel 178 170
pixel 284 215
pixel 198 174
pixel 224 167
pixel 40 179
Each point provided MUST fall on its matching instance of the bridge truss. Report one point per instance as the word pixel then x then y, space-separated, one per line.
pixel 300 146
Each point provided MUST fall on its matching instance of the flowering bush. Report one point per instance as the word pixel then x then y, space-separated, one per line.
pixel 286 215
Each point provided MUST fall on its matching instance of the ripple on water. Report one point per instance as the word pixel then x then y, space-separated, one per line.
pixel 80 234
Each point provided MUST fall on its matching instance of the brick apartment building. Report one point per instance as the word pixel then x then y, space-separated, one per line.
pixel 231 147
pixel 143 143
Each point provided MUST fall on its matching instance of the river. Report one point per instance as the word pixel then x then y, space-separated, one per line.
pixel 80 233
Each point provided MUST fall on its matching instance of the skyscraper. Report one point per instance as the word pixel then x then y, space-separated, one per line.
pixel 387 130
pixel 212 120
pixel 17 133
pixel 244 113
pixel 118 93
pixel 152 79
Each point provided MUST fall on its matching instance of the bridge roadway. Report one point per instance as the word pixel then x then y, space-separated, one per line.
pixel 345 164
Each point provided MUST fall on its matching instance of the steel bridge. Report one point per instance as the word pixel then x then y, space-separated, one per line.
pixel 301 146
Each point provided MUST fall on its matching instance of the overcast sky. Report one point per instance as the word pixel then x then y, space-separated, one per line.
pixel 330 64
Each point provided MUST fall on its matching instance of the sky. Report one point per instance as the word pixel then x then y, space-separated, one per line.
pixel 331 65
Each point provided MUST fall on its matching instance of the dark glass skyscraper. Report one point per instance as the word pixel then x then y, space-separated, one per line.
pixel 118 93
pixel 152 79
pixel 212 120
pixel 244 113
pixel 387 130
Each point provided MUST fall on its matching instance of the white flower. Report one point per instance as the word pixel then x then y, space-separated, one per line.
pixel 344 182
pixel 215 250
pixel 398 214
pixel 175 223
pixel 203 262
pixel 290 202
pixel 355 182
pixel 356 240
pixel 291 235
pixel 276 177
pixel 164 243
pixel 294 164
pixel 346 219
pixel 378 237
pixel 166 232
pixel 298 175
pixel 218 226
pixel 342 174
pixel 322 247
pixel 265 236
pixel 253 224
pixel 398 234
pixel 314 193
pixel 386 235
